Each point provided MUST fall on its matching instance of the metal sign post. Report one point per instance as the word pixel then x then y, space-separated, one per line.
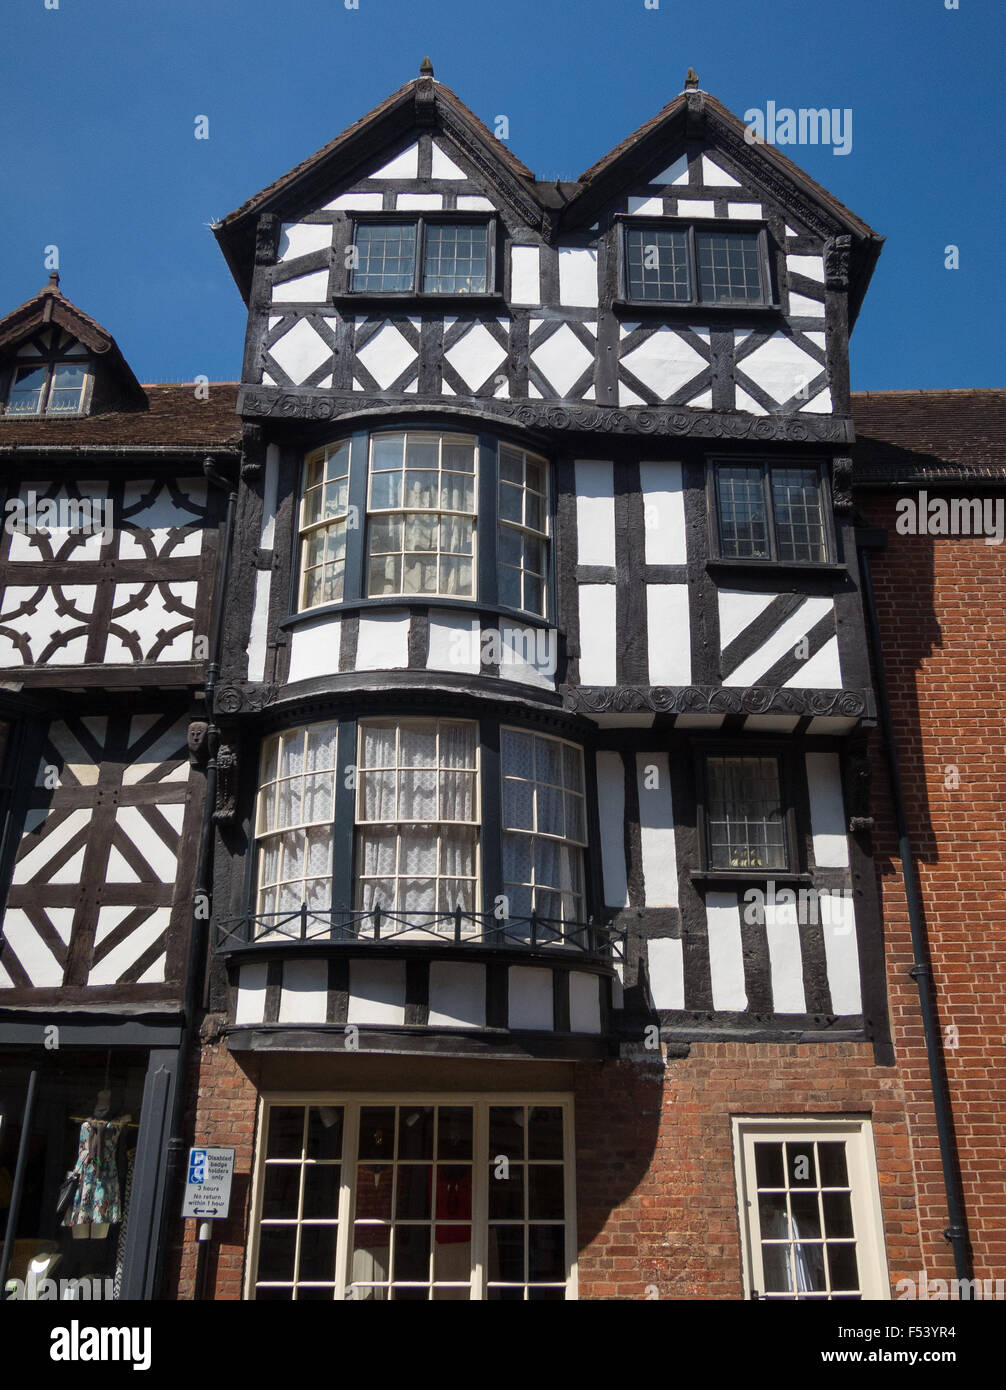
pixel 207 1198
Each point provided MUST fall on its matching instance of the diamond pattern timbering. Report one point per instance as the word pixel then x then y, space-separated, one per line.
pixel 782 372
pixel 562 361
pixel 387 354
pixel 476 357
pixel 663 365
pixel 300 351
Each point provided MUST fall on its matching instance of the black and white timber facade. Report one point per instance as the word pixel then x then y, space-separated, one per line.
pixel 647 643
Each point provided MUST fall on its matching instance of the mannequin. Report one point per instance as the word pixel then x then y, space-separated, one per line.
pixel 96 1203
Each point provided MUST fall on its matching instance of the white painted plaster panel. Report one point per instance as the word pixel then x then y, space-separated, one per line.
pixel 419 202
pixel 303 997
pixel 810 266
pixel 387 355
pixel 611 809
pixel 403 166
pixel 595 512
pixel 785 958
pixel 780 367
pixel 715 177
pixel 578 275
pixel 301 238
pixel 748 403
pixel 664 362
pixel 443 166
pixel 770 723
pixel 476 356
pixel 563 359
pixel 383 642
pixel 457 995
pixel 528 655
pixel 472 202
pixel 584 1002
pixel 39 855
pixel 656 830
pixel 531 998
pixel 314 649
pixel 726 955
pixel 676 173
pixel 307 289
pixel 665 958
pixel 744 210
pixel 357 202
pixel 783 642
pixel 376 992
pixel 738 610
pixel 455 644
pixel 838 924
pixel 270 488
pixel 696 207
pixel 802 307
pixel 827 811
pixel 525 275
pixel 668 639
pixel 664 513
pixel 597 634
pixel 649 207
pixel 259 626
pixel 41 966
pixel 251 993
pixel 822 671
pixel 300 351
pixel 821 404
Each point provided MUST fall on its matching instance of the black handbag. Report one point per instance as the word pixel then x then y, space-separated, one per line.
pixel 68 1187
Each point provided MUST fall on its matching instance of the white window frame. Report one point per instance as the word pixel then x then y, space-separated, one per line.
pixel 352 1103
pixel 536 834
pixel 324 525
pixel 867 1213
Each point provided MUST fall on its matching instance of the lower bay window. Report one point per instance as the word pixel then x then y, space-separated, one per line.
pixel 811 1219
pixel 418 1199
pixel 412 845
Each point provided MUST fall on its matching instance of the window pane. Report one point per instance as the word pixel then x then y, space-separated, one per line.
pixel 456 258
pixel 542 868
pixel 657 264
pixel 25 396
pixel 728 264
pixel 745 814
pixel 386 256
pixel 67 389
pixel 743 523
pixel 796 503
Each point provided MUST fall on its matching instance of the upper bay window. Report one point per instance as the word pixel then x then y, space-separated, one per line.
pixel 675 264
pixel 404 833
pixel 422 255
pixel 771 512
pixel 452 516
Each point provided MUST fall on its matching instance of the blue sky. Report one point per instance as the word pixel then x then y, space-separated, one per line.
pixel 99 98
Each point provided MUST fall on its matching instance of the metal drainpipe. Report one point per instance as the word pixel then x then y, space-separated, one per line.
pixel 202 892
pixel 921 971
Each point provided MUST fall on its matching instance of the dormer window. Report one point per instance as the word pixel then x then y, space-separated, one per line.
pixel 422 255
pixel 695 265
pixel 49 377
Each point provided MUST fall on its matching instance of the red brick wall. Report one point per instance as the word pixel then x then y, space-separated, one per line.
pixel 943 623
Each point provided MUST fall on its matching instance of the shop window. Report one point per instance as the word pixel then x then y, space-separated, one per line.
pixel 431 1200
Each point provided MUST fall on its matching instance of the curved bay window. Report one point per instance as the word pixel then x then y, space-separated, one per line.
pixel 420 514
pixel 385 817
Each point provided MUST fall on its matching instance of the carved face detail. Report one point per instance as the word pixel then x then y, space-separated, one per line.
pixel 197 736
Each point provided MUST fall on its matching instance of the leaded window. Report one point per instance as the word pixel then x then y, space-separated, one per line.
pixel 768 512
pixel 293 825
pixel 422 255
pixel 745 817
pixel 671 263
pixel 544 826
pixel 324 514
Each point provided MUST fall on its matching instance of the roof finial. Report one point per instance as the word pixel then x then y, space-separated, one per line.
pixel 53 285
pixel 426 68
pixel 692 81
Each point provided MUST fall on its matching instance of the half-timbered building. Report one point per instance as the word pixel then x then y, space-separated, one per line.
pixel 533 709
pixel 113 512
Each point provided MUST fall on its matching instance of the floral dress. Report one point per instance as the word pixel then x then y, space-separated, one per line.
pixel 96 1198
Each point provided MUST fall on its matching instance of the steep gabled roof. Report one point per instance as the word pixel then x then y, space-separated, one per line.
pixel 695 113
pixel 51 306
pixel 421 104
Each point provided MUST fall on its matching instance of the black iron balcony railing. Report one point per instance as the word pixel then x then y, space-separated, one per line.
pixel 457 928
